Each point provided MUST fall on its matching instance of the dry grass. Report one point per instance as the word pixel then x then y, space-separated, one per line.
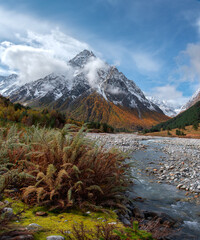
pixel 189 131
pixel 69 169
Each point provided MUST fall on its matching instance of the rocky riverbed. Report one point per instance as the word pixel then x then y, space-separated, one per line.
pixel 165 193
pixel 180 166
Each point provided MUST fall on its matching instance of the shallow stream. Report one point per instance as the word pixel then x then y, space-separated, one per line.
pixel 160 197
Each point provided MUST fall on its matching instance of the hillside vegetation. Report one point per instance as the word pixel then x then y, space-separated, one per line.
pixel 25 116
pixel 95 108
pixel 189 117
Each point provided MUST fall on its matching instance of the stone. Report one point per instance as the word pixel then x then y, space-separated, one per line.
pixel 137 213
pixel 41 214
pixel 166 219
pixel 55 237
pixel 34 226
pixel 8 212
pixel 149 215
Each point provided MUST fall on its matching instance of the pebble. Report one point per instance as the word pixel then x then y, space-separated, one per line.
pixel 55 237
pixel 34 226
pixel 181 167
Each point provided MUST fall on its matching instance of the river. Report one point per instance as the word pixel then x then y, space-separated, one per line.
pixel 161 197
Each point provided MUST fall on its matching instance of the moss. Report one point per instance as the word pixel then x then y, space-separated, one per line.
pixel 56 224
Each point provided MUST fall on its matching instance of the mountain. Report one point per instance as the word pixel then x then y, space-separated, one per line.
pixel 165 106
pixel 92 91
pixel 195 98
pixel 8 84
pixel 186 118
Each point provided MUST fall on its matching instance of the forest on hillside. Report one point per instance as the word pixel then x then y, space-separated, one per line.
pixel 189 117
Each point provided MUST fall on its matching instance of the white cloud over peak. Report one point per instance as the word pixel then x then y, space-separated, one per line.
pixel 170 94
pixel 60 44
pixel 40 54
pixel 91 70
pixel 33 47
pixel 31 63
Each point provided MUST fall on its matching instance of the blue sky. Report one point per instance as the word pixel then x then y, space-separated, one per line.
pixel 155 43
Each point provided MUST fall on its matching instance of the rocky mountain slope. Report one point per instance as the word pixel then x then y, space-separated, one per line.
pixel 185 118
pixel 8 84
pixel 166 107
pixel 93 91
pixel 194 99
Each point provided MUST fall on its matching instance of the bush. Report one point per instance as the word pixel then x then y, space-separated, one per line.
pixel 195 126
pixel 168 133
pixel 179 133
pixel 108 232
pixel 12 165
pixel 73 171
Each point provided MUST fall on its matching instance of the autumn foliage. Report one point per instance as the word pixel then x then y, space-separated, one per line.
pixel 60 169
pixel 96 108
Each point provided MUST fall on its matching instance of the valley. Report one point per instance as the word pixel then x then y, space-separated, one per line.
pixel 100 120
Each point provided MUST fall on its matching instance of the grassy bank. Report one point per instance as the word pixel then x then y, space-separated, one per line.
pixel 65 175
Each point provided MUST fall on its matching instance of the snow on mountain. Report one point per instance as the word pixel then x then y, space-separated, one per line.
pixel 165 106
pixel 8 84
pixel 81 59
pixel 89 74
pixel 195 98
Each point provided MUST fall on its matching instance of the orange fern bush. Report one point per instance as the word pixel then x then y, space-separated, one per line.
pixel 13 165
pixel 73 171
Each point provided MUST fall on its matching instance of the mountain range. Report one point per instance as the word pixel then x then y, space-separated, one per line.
pixel 90 90
pixel 167 108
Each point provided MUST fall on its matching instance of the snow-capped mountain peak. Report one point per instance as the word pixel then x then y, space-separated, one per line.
pixel 82 58
pixel 165 106
pixel 8 84
pixel 90 82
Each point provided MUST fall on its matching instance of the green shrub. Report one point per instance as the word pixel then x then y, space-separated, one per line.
pixel 195 126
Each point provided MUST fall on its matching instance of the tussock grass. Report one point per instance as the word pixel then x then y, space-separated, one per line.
pixel 60 169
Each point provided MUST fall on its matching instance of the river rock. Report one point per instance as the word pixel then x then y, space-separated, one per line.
pixel 149 215
pixel 55 237
pixel 41 214
pixel 137 213
pixel 34 226
pixel 8 212
pixel 165 218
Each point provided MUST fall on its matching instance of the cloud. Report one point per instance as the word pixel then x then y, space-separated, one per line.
pixel 40 54
pixel 170 94
pixel 145 62
pixel 32 63
pixel 12 22
pixel 114 90
pixel 91 70
pixel 34 48
pixel 189 63
pixel 60 44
